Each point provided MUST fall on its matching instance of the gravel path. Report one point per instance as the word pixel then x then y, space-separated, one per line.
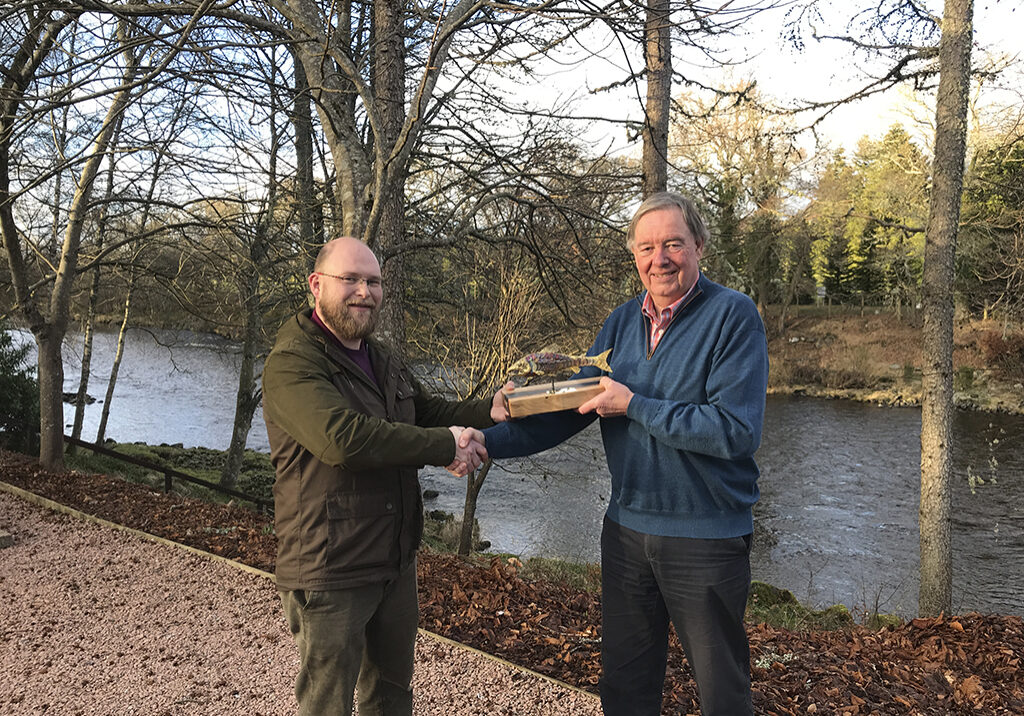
pixel 98 621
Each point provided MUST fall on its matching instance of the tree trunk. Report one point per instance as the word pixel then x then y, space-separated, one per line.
pixel 247 397
pixel 35 47
pixel 51 397
pixel 246 400
pixel 101 431
pixel 311 220
pixel 310 215
pixel 658 54
pixel 90 317
pixel 474 482
pixel 389 91
pixel 82 394
pixel 935 594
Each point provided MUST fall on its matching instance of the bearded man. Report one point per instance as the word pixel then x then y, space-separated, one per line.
pixel 349 425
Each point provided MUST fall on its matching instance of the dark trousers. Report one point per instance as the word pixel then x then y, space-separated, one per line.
pixel 355 638
pixel 702 586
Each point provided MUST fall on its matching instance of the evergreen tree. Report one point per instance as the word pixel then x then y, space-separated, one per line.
pixel 19 396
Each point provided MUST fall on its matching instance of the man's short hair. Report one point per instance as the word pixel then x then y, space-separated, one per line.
pixel 669 200
pixel 327 249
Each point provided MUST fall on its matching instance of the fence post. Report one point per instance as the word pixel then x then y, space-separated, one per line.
pixel 167 482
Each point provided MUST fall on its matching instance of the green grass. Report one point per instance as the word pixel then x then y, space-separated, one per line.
pixel 577 575
pixel 256 477
pixel 779 608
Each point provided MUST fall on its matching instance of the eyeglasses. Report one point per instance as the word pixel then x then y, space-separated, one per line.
pixel 373 282
pixel 670 247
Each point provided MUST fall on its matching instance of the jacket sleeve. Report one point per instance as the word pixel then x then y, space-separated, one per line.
pixel 432 410
pixel 728 425
pixel 299 397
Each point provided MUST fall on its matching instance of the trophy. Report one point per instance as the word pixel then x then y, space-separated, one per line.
pixel 547 397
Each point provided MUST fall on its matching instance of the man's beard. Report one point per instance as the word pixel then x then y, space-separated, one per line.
pixel 347 325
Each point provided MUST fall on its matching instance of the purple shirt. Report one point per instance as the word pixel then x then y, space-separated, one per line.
pixel 360 356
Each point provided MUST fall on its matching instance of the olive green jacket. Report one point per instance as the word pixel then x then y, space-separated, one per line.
pixel 347 503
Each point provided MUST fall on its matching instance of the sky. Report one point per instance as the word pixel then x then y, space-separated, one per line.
pixel 825 68
pixel 822 70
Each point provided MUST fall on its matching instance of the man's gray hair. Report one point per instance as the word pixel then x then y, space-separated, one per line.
pixel 671 200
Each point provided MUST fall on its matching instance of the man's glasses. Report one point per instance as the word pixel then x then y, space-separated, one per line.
pixel 350 281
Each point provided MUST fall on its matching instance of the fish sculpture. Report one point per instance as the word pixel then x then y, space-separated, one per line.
pixel 534 364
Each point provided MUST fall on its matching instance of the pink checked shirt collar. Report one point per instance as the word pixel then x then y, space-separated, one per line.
pixel 660 321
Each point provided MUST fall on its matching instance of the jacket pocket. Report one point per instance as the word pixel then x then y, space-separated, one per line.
pixel 405 405
pixel 362 529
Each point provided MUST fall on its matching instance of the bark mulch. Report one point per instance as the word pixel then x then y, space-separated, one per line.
pixel 967 664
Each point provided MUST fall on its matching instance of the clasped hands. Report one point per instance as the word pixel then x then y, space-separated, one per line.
pixel 470 451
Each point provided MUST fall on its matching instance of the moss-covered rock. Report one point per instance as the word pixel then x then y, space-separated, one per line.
pixel 779 608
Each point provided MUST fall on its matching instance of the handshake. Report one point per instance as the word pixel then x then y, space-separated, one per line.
pixel 470 451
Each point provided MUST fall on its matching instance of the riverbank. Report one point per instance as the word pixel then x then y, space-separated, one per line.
pixel 962 664
pixel 876 357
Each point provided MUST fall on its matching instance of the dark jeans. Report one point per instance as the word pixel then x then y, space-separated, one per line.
pixel 702 586
pixel 355 638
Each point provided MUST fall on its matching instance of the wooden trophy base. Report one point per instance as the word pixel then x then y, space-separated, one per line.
pixel 542 397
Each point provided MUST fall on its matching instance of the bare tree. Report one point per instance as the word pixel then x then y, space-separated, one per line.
pixel 48 318
pixel 81 397
pixel 902 33
pixel 935 594
pixel 658 57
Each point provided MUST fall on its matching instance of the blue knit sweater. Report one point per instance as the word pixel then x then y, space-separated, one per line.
pixel 682 459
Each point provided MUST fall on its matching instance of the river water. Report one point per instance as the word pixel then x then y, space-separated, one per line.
pixel 837 521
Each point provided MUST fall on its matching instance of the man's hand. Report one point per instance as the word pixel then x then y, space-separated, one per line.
pixel 472 436
pixel 469 451
pixel 611 402
pixel 499 413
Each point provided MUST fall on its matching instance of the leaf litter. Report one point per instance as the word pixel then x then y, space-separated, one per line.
pixel 964 664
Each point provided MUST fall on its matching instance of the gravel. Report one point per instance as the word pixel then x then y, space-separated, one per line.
pixel 99 621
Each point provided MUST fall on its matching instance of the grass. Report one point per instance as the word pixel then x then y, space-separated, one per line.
pixel 584 576
pixel 256 477
pixel 779 608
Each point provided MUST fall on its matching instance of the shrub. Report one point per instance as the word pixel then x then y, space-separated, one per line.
pixel 849 368
pixel 963 379
pixel 1004 353
pixel 19 397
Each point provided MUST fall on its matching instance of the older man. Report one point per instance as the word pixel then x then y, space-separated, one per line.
pixel 680 422
pixel 349 425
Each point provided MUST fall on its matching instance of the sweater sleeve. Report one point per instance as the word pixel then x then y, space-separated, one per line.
pixel 300 399
pixel 533 434
pixel 728 425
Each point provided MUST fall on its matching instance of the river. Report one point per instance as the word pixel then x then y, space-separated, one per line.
pixel 837 520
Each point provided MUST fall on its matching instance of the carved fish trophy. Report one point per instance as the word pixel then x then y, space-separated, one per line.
pixel 553 396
